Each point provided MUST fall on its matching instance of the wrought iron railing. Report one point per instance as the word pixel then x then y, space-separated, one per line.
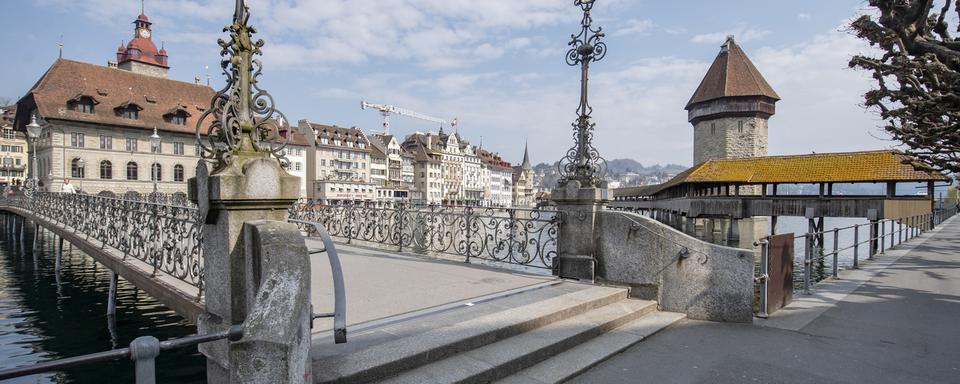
pixel 167 237
pixel 525 237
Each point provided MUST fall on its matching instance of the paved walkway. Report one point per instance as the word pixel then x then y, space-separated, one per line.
pixel 898 324
pixel 381 284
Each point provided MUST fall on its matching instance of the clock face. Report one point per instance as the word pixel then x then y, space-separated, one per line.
pixel 145 33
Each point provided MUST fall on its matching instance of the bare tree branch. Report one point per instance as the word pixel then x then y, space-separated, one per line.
pixel 917 76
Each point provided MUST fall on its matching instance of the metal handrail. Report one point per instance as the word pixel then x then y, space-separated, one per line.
pixel 339 314
pixel 143 350
pixel 879 240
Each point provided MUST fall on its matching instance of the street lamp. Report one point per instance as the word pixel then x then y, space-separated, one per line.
pixel 33 132
pixel 155 147
pixel 82 173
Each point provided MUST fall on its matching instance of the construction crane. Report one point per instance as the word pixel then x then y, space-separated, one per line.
pixel 387 110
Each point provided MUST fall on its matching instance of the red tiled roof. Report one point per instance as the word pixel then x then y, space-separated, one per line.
pixel 112 88
pixel 732 75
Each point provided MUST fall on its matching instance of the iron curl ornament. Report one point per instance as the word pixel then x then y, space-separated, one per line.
pixel 242 116
pixel 583 162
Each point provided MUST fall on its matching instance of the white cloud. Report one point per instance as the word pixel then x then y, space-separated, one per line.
pixel 434 34
pixel 742 34
pixel 822 101
pixel 804 16
pixel 635 26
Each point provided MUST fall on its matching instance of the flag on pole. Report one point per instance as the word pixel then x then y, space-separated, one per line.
pixel 453 124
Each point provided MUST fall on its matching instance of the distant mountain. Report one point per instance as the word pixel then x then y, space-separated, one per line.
pixel 618 166
pixel 617 170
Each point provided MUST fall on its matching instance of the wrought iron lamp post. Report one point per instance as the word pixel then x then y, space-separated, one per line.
pixel 583 162
pixel 581 192
pixel 154 147
pixel 34 130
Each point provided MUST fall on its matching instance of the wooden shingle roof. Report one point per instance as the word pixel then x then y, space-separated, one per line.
pixel 732 74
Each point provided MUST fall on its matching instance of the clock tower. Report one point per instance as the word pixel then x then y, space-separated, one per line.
pixel 141 54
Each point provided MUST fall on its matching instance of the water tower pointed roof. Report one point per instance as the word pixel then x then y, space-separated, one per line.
pixel 732 75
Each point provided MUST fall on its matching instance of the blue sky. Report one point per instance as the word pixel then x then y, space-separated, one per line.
pixel 497 65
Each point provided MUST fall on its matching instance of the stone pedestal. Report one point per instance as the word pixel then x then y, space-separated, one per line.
pixel 252 187
pixel 577 241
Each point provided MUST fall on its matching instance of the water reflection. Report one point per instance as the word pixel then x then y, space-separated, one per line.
pixel 48 313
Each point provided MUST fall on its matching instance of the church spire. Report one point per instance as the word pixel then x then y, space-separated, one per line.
pixel 526 157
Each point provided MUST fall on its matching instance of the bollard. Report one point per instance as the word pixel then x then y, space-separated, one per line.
pixel 835 252
pixel 143 351
pixel 112 295
pixel 856 246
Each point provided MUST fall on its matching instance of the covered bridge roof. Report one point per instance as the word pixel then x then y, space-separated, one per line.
pixel 845 167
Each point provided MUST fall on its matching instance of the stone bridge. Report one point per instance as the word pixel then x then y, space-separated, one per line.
pixel 452 278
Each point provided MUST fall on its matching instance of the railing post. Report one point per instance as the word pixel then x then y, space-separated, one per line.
pixel 856 246
pixel 467 216
pixel 900 231
pixel 348 210
pixel 511 237
pixel 883 235
pixel 836 269
pixel 399 228
pixel 764 278
pixel 807 262
pixel 143 351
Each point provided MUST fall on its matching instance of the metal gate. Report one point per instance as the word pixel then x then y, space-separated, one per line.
pixel 776 273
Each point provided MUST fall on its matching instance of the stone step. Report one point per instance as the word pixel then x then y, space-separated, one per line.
pixel 494 361
pixel 396 356
pixel 579 359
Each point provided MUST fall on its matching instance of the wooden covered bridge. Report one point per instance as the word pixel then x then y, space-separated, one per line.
pixel 734 189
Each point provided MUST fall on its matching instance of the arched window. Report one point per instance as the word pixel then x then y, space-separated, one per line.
pixel 106 170
pixel 157 172
pixel 76 168
pixel 178 173
pixel 132 171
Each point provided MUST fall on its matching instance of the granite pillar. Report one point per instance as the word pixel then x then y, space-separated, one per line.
pixel 577 241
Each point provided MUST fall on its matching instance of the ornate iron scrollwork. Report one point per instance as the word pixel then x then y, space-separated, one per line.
pixel 583 162
pixel 243 114
pixel 504 235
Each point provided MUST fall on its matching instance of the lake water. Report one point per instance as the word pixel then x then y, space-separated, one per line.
pixel 45 316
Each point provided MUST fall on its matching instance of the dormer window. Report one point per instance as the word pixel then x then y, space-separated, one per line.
pixel 129 111
pixel 83 104
pixel 177 116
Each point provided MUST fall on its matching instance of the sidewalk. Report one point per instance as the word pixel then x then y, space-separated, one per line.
pixel 902 325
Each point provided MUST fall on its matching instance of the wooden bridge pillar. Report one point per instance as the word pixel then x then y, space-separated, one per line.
pixel 733 229
pixel 112 295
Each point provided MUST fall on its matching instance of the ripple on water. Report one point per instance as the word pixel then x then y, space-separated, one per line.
pixel 44 316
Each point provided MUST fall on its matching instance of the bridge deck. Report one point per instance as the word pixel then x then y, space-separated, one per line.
pixel 379 284
pixel 384 284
